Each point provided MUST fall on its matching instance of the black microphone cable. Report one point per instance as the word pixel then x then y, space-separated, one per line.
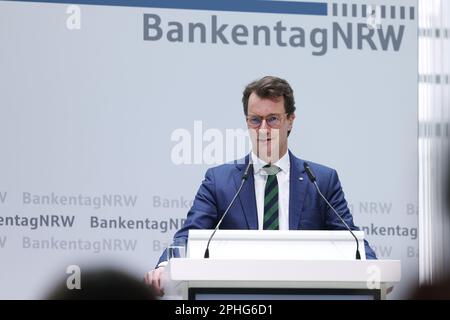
pixel 244 178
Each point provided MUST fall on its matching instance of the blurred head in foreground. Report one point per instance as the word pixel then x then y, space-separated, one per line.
pixel 441 289
pixel 103 284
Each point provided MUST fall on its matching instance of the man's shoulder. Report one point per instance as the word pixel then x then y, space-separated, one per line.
pixel 229 167
pixel 317 168
pixel 320 168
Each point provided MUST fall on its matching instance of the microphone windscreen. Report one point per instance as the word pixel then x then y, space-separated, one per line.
pixel 311 176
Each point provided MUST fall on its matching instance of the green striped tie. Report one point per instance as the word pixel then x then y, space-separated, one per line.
pixel 271 199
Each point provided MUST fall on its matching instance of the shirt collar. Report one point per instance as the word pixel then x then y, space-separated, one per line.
pixel 258 163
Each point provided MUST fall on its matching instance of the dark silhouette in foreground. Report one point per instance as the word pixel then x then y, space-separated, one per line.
pixel 104 284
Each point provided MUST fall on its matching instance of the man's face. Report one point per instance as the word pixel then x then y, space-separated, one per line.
pixel 269 143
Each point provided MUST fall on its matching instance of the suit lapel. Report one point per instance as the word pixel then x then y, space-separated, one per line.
pixel 297 191
pixel 247 196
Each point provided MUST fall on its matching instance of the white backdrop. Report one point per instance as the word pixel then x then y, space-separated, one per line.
pixel 90 112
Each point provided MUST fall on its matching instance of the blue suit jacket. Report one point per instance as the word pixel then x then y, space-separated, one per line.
pixel 307 210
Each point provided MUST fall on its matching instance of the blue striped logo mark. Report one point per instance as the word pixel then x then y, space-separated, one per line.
pixel 261 6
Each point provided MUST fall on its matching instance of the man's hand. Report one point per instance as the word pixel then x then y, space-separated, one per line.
pixel 154 278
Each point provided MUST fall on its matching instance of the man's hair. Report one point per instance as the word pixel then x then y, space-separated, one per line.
pixel 270 87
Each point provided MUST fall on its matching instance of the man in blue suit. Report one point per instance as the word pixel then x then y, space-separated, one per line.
pixel 277 194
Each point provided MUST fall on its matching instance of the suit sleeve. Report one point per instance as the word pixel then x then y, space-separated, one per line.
pixel 203 213
pixel 336 197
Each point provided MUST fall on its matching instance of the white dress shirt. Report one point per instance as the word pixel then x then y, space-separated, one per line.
pixel 260 176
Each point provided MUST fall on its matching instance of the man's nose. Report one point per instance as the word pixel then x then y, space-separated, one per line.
pixel 264 125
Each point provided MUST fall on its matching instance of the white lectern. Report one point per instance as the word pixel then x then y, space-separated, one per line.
pixel 270 265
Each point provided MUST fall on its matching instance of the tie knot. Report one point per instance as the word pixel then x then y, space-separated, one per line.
pixel 271 169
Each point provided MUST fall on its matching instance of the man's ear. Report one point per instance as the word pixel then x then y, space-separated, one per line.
pixel 291 120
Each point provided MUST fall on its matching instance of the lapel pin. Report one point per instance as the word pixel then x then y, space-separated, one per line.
pixel 301 178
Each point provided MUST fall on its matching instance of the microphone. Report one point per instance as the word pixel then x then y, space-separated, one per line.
pixel 313 179
pixel 244 178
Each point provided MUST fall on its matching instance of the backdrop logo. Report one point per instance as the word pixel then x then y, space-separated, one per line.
pixel 367 27
pixel 376 32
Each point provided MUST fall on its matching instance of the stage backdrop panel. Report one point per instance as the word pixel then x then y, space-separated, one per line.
pixel 110 113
